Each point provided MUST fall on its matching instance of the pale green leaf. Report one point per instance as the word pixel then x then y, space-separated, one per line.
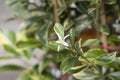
pixel 59 30
pixel 90 42
pixel 10 35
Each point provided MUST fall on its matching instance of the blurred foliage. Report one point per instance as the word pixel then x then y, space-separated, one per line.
pixel 68 42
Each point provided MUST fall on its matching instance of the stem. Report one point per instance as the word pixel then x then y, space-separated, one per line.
pixel 103 22
pixel 97 19
pixel 55 6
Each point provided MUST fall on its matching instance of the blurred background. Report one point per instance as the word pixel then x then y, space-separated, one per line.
pixel 5 13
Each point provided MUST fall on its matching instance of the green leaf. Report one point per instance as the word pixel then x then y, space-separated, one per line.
pixel 10 35
pixel 11 67
pixel 93 2
pixel 90 10
pixel 28 44
pixel 68 23
pixel 72 37
pixel 43 33
pixel 77 47
pixel 62 55
pixel 68 63
pixel 28 52
pixel 59 30
pixel 61 9
pixel 82 6
pixel 4 57
pixel 11 49
pixel 104 29
pixel 55 46
pixel 90 42
pixel 106 59
pixel 43 64
pixel 25 76
pixel 77 69
pixel 85 75
pixel 94 53
pixel 20 10
pixel 83 25
pixel 109 1
pixel 115 75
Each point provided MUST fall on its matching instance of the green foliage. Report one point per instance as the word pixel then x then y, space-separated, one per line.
pixel 94 53
pixel 65 49
pixel 90 42
pixel 72 37
pixel 9 67
pixel 106 59
pixel 68 63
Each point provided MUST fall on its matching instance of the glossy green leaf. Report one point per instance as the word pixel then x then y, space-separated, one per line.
pixel 59 30
pixel 94 53
pixel 72 37
pixel 106 59
pixel 11 67
pixel 68 63
pixel 90 42
pixel 43 33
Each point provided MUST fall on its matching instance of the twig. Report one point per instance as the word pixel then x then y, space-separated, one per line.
pixel 55 6
pixel 103 22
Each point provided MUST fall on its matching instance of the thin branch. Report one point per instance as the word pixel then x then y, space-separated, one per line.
pixel 103 22
pixel 55 6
